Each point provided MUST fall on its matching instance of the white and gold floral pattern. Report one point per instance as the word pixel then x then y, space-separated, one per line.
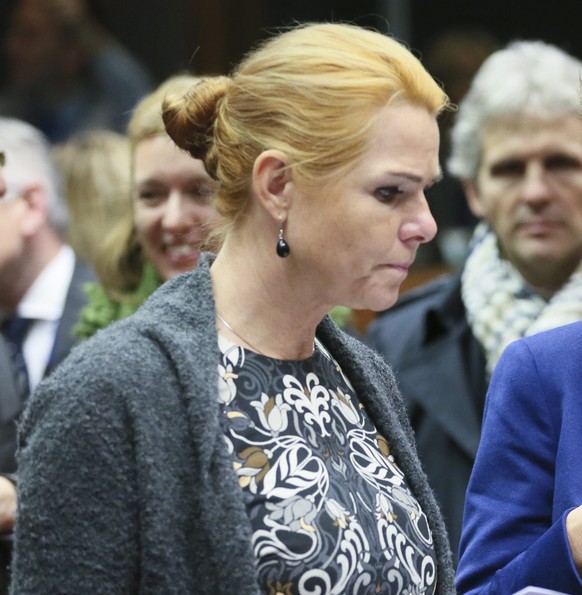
pixel 330 510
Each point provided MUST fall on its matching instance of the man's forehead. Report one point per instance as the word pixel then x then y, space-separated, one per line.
pixel 525 123
pixel 559 134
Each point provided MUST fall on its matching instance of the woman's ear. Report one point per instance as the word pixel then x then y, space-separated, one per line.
pixel 273 181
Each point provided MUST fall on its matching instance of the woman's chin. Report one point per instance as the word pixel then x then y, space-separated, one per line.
pixel 171 268
pixel 380 302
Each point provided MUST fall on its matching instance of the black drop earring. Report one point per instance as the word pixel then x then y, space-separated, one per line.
pixel 283 249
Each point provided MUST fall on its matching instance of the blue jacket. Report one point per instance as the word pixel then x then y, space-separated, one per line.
pixel 527 474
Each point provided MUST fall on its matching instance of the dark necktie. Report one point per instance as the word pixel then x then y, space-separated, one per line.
pixel 14 329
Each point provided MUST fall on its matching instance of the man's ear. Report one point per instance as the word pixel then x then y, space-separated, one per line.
pixel 273 181
pixel 473 198
pixel 36 203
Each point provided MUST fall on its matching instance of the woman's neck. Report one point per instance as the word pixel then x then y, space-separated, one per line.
pixel 261 307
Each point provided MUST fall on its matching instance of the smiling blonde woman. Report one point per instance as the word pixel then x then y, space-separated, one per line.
pixel 166 218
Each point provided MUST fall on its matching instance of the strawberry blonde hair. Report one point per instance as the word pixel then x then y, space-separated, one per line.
pixel 313 92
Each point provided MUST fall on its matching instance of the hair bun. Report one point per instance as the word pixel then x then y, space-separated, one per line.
pixel 189 118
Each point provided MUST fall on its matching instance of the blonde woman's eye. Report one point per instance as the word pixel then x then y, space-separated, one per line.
pixel 150 195
pixel 388 193
pixel 205 192
pixel 151 198
pixel 201 193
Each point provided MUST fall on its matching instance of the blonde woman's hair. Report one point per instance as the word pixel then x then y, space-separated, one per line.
pixel 120 262
pixel 313 92
pixel 95 170
pixel 146 120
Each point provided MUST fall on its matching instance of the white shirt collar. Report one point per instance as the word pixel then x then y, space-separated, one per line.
pixel 45 298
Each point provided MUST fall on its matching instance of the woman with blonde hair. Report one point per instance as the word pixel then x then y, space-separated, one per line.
pixel 95 168
pixel 228 437
pixel 163 222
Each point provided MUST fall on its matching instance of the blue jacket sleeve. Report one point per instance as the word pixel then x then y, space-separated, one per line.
pixel 513 536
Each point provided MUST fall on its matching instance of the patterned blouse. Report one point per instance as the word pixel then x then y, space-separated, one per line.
pixel 330 510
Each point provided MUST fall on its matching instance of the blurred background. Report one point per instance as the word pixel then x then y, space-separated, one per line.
pixel 132 45
pixel 212 35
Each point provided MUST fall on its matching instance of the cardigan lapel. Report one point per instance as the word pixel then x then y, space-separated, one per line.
pixel 377 389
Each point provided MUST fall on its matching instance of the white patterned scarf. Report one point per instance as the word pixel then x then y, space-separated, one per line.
pixel 501 307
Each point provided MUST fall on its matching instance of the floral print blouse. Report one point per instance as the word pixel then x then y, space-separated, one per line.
pixel 330 510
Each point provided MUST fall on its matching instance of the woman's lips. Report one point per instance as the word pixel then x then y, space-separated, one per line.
pixel 399 267
pixel 181 250
pixel 178 253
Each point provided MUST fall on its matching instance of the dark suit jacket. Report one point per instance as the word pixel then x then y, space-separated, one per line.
pixel 11 399
pixel 440 368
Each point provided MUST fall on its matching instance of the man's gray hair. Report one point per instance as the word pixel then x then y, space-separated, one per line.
pixel 530 78
pixel 29 161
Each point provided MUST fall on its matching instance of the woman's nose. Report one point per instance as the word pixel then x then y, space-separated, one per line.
pixel 174 215
pixel 420 226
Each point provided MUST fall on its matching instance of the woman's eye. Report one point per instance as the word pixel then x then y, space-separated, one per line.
pixel 388 193
pixel 202 192
pixel 151 196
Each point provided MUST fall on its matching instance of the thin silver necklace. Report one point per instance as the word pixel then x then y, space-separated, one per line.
pixel 237 335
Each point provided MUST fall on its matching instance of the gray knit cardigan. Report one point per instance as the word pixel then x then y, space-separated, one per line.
pixel 125 482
